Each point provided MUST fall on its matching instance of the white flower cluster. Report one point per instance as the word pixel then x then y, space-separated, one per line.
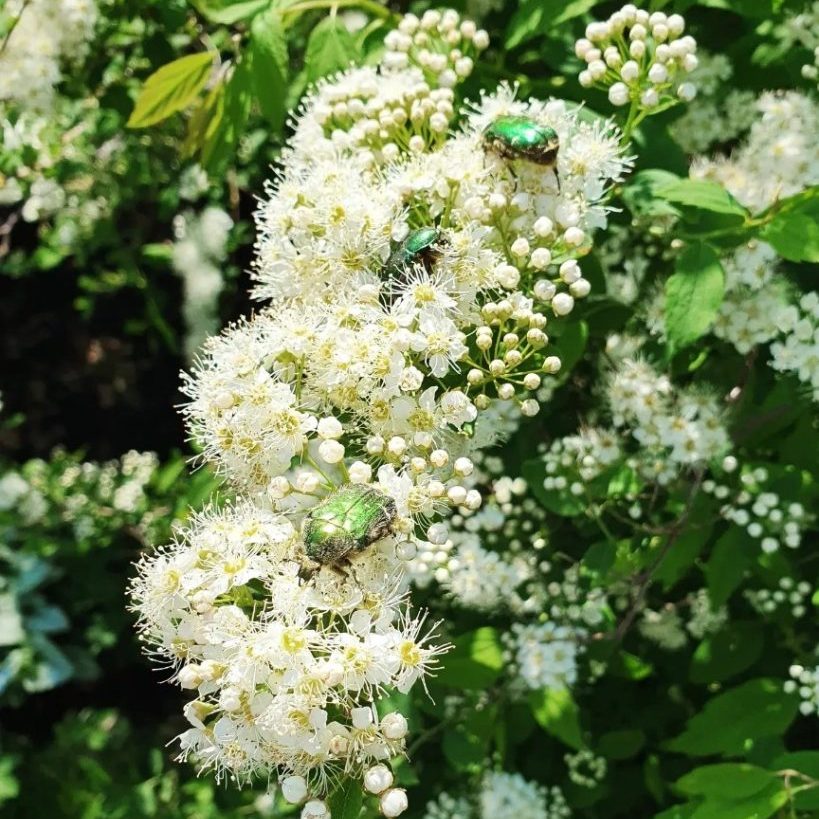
pixel 281 668
pixel 799 351
pixel 200 246
pixel 574 460
pixel 789 595
pixel 86 490
pixel 663 627
pixel 585 768
pixel 42 36
pixel 409 266
pixel 641 58
pixel 763 514
pixel 714 117
pixel 674 427
pixel 502 795
pixel 756 308
pixel 779 158
pixel 703 617
pixel 667 626
pixel 803 30
pixel 805 682
pixel 544 655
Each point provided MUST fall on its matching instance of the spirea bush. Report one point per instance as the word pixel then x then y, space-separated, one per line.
pixel 502 499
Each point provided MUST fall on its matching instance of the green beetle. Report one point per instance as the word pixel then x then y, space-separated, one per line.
pixel 520 137
pixel 418 248
pixel 347 521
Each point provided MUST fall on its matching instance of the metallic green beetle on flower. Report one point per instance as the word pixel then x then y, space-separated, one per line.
pixel 347 521
pixel 521 137
pixel 418 248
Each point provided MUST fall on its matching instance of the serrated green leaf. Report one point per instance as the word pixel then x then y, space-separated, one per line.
pixel 330 48
pixel 621 744
pixel 731 722
pixel 534 18
pixel 557 713
pixel 720 656
pixel 727 564
pixel 269 63
pixel 346 801
pixel 230 119
pixel 726 781
pixel 228 12
pixel 794 236
pixel 693 295
pixel 170 89
pixel 702 194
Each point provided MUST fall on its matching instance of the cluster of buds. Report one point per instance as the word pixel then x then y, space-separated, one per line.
pixel 439 43
pixel 641 58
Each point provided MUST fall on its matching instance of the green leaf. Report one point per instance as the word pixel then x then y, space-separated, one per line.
pixel 730 651
pixel 727 781
pixel 731 722
pixel 330 48
pixel 794 236
pixel 466 744
pixel 557 713
pixel 693 295
pixel 269 63
pixel 686 549
pixel 621 744
pixel 806 762
pixel 761 805
pixel 475 661
pixel 346 801
pixel 701 194
pixel 727 565
pixel 536 17
pixel 230 118
pixel 228 12
pixel 570 345
pixel 642 197
pixel 171 88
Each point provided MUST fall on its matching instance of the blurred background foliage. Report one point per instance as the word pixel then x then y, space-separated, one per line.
pixel 93 300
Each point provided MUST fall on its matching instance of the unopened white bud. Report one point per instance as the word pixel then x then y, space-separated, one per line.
pixel 294 789
pixel 529 408
pixel 331 452
pixel 520 247
pixel 562 304
pixel 630 71
pixel 574 236
pixel 397 446
pixel 439 458
pixel 544 290
pixel 394 802
pixel 456 495
pixel 375 445
pixel 551 364
pixel 687 91
pixel 377 779
pixel 463 466
pixel 315 809
pixel 360 472
pixel 543 226
pixel 437 534
pixel 580 289
pixel 619 94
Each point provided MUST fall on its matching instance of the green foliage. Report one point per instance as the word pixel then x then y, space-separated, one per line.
pixel 706 730
pixel 693 295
